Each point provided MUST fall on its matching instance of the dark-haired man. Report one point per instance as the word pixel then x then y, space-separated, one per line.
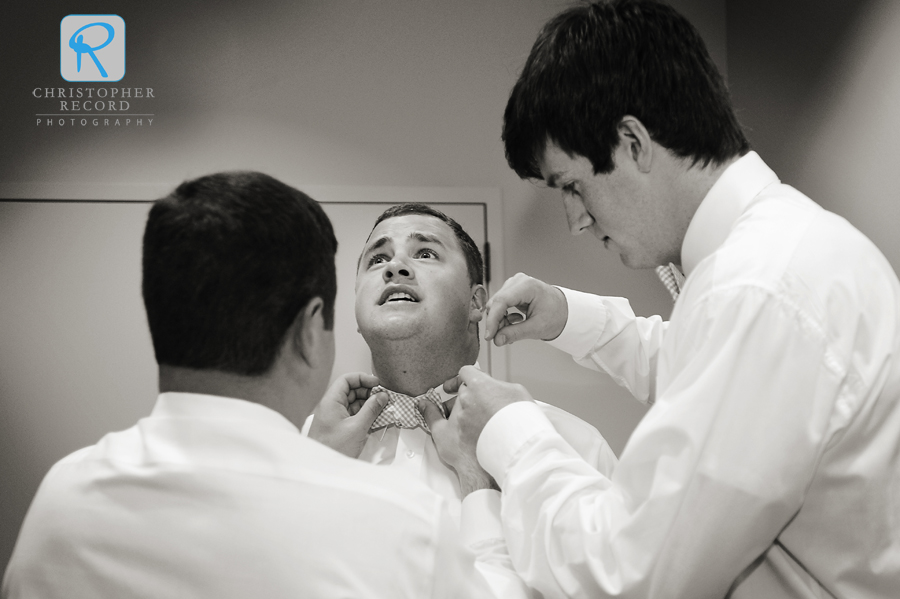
pixel 768 465
pixel 216 493
pixel 419 300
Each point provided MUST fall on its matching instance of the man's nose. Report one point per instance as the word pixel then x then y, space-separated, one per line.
pixel 578 217
pixel 397 269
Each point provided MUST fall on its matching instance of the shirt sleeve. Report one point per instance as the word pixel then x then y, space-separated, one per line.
pixel 604 334
pixel 585 439
pixel 711 475
pixel 475 561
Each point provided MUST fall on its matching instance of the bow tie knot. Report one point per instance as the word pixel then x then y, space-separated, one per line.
pixel 401 410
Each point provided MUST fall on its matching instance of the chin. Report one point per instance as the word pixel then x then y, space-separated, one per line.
pixel 392 329
pixel 637 262
pixel 630 262
pixel 635 265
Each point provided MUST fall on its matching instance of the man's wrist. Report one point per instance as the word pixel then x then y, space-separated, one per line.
pixel 474 479
pixel 562 313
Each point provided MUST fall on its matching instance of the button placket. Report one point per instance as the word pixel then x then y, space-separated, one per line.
pixel 410 450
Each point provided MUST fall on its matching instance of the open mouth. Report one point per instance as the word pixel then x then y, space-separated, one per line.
pixel 400 297
pixel 394 295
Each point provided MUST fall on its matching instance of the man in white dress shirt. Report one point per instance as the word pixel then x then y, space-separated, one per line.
pixel 419 298
pixel 216 493
pixel 769 462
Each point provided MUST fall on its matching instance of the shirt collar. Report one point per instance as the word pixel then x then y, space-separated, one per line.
pixel 199 406
pixel 726 201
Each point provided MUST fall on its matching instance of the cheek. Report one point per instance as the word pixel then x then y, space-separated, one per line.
pixel 461 301
pixel 444 296
pixel 362 298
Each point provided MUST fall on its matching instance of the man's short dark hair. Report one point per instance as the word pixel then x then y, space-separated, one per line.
pixel 229 261
pixel 595 63
pixel 474 262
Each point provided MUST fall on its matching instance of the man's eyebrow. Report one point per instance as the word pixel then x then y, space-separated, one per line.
pixel 426 238
pixel 553 180
pixel 370 248
pixel 376 244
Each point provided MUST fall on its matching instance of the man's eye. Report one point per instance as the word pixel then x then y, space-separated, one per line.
pixel 377 259
pixel 426 254
pixel 569 188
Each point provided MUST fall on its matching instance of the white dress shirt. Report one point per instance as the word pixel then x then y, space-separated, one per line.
pixel 217 497
pixel 412 453
pixel 769 464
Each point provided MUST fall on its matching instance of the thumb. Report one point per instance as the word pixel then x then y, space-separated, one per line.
pixel 371 409
pixel 430 412
pixel 516 330
pixel 452 385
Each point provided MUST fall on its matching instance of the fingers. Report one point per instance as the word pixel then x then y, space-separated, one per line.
pixel 514 318
pixel 512 333
pixel 469 375
pixel 522 328
pixel 356 381
pixel 351 387
pixel 545 307
pixel 355 406
pixel 448 405
pixel 359 393
pixel 513 293
pixel 371 409
pixel 452 385
pixel 430 412
pixel 495 316
pixel 521 292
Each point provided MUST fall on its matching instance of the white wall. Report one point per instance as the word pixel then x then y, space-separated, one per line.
pixel 851 166
pixel 338 92
pixel 817 86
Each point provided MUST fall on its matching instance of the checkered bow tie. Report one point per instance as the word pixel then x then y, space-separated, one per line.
pixel 671 278
pixel 401 410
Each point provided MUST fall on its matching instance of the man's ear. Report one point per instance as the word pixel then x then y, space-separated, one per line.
pixel 478 302
pixel 635 140
pixel 308 332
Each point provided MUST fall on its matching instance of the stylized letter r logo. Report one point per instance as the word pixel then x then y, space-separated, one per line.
pixel 86 41
pixel 76 42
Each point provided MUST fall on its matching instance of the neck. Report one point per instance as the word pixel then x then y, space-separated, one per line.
pixel 700 180
pixel 413 367
pixel 273 389
pixel 691 184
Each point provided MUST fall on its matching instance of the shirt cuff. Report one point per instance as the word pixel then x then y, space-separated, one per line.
pixel 584 325
pixel 480 517
pixel 506 433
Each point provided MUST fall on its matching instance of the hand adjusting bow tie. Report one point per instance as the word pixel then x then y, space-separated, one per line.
pixel 401 410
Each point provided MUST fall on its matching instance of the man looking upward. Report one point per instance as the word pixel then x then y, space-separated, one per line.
pixel 419 299
pixel 216 493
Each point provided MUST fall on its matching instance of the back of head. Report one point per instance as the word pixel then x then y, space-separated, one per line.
pixel 229 260
pixel 595 63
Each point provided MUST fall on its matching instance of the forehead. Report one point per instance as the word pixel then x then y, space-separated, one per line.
pixel 557 165
pixel 406 227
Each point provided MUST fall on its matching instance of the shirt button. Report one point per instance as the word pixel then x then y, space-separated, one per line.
pixel 410 454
